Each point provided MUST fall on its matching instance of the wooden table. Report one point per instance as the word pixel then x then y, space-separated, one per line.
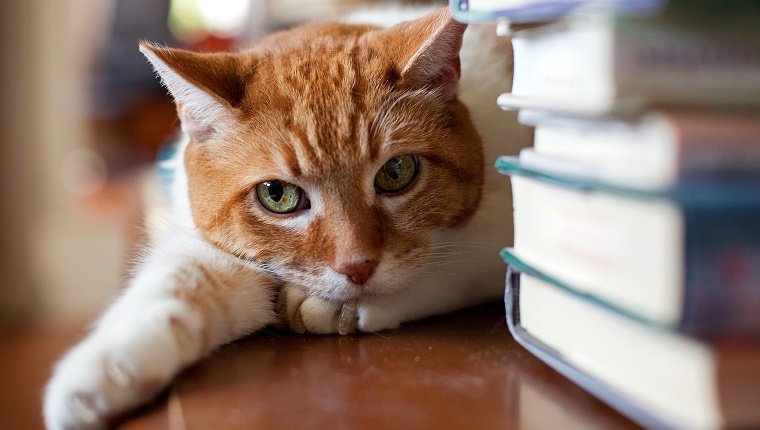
pixel 457 371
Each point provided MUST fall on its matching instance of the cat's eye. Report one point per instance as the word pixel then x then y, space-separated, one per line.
pixel 281 197
pixel 396 174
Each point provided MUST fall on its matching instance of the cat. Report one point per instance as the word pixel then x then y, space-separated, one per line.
pixel 333 178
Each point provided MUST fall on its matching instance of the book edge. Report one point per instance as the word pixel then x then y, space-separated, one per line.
pixel 554 360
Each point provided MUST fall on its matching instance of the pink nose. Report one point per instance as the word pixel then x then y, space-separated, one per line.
pixel 358 273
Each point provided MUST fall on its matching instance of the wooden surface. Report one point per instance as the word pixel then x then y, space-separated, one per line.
pixel 26 358
pixel 457 371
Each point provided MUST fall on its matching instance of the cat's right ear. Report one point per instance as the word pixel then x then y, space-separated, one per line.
pixel 425 50
pixel 207 88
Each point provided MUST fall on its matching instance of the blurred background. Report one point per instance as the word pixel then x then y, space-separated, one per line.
pixel 83 117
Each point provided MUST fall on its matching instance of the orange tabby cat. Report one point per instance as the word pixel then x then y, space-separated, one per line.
pixel 331 178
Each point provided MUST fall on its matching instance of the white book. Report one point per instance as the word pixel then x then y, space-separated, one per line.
pixel 666 258
pixel 595 63
pixel 660 379
pixel 655 151
pixel 628 251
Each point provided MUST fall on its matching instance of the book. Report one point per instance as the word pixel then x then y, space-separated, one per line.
pixel 594 63
pixel 658 378
pixel 654 151
pixel 686 259
pixel 536 11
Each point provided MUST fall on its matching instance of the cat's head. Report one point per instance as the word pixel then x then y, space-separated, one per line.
pixel 329 154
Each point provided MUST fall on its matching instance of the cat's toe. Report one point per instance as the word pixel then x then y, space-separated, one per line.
pixel 348 319
pixel 289 308
pixel 320 316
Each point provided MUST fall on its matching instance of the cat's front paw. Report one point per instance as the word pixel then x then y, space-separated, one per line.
pixel 109 374
pixel 303 313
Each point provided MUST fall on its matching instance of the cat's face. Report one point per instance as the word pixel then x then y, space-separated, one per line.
pixel 330 154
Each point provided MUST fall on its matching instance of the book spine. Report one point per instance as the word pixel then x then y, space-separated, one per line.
pixel 723 255
pixel 681 63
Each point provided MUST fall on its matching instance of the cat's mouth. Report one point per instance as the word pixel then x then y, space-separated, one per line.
pixel 349 291
pixel 334 286
pixel 331 284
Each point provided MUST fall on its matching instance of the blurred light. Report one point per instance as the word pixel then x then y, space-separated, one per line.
pixel 224 17
pixel 185 21
pixel 83 172
pixel 191 21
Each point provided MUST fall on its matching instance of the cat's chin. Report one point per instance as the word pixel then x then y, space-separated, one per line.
pixel 347 291
pixel 332 286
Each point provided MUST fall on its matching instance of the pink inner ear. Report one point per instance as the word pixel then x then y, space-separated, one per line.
pixel 436 63
pixel 442 72
pixel 449 76
pixel 192 125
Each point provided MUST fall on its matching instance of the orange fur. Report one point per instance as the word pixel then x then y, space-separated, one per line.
pixel 324 106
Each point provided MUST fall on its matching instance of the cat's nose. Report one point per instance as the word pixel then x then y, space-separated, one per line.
pixel 359 273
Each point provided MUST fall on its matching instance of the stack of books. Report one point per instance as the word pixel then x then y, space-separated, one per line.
pixel 635 270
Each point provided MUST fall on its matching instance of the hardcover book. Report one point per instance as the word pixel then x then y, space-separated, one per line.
pixel 532 11
pixel 592 63
pixel 687 258
pixel 655 151
pixel 658 378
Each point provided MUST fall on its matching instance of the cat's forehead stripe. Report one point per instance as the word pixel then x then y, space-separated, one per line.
pixel 290 158
pixel 327 97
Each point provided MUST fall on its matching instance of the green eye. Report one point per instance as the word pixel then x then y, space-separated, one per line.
pixel 281 197
pixel 396 174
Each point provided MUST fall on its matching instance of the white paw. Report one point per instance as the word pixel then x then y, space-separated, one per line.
pixel 303 313
pixel 372 317
pixel 112 372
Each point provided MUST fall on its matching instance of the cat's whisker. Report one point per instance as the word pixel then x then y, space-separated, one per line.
pixel 465 248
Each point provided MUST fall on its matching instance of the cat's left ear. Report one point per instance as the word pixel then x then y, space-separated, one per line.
pixel 426 50
pixel 207 88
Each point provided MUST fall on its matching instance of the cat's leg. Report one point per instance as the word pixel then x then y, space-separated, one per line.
pixel 186 299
